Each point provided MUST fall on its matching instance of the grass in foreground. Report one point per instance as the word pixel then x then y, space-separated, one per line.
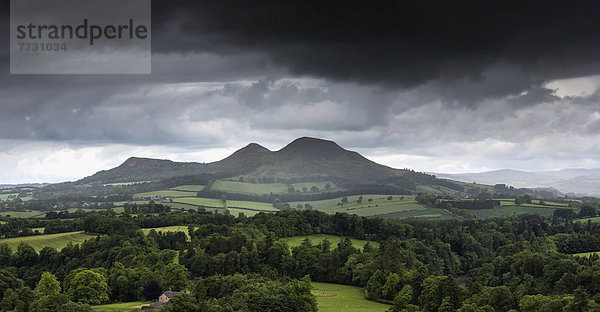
pixel 57 241
pixel 119 307
pixel 335 297
pixel 586 254
pixel 333 239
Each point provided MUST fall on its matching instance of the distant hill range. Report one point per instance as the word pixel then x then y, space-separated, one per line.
pixel 22 185
pixel 569 181
pixel 303 160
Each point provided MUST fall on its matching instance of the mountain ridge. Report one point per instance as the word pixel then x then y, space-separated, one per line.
pixel 302 158
pixel 305 159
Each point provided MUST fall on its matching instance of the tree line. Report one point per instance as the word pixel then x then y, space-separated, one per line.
pixel 504 264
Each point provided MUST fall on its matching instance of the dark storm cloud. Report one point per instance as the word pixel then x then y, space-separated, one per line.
pixel 395 43
pixel 424 78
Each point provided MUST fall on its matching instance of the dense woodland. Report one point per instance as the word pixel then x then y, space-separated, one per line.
pixel 519 263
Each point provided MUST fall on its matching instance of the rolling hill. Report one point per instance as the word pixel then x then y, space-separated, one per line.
pixel 575 181
pixel 304 159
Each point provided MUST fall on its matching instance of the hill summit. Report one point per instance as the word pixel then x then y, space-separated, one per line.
pixel 138 162
pixel 304 159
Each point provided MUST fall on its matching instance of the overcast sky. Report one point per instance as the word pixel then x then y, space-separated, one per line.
pixel 442 86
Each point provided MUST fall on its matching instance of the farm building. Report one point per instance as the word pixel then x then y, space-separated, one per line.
pixel 167 295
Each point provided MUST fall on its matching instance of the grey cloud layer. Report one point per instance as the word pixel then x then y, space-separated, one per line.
pixel 215 114
pixel 396 43
pixel 433 78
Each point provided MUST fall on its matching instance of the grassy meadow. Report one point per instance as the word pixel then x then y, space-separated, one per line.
pixel 333 239
pixel 267 188
pixel 5 196
pixel 585 220
pixel 380 205
pixel 119 307
pixel 330 298
pixel 248 213
pixel 426 213
pixel 251 205
pixel 335 297
pixel 57 241
pixel 174 228
pixel 23 214
pixel 176 205
pixel 188 188
pixel 508 208
pixel 586 254
pixel 165 193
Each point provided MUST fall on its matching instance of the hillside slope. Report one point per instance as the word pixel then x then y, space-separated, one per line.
pixel 310 157
pixel 304 159
pixel 145 169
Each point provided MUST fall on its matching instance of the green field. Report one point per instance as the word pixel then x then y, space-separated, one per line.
pixel 509 210
pixel 549 203
pixel 426 213
pixel 195 201
pixel 333 239
pixel 175 205
pixel 594 219
pixel 320 185
pixel 137 202
pixel 23 214
pixel 188 188
pixel 248 208
pixel 174 228
pixel 266 188
pixel 119 307
pixel 251 205
pixel 248 213
pixel 209 203
pixel 164 193
pixel 5 196
pixel 399 207
pixel 249 188
pixel 57 241
pixel 335 297
pixel 379 205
